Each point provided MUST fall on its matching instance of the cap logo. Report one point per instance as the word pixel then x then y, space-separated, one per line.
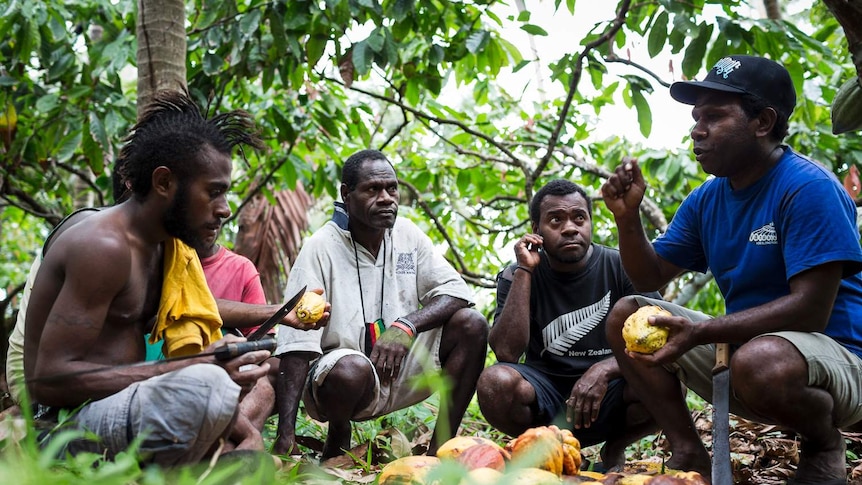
pixel 726 66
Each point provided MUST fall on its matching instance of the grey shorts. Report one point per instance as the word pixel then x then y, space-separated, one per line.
pixel 830 367
pixel 178 415
pixel 424 357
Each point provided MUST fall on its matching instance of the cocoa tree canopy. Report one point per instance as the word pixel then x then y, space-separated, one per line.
pixel 420 80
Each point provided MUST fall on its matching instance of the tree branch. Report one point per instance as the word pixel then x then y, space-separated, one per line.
pixel 615 58
pixel 425 116
pixel 475 278
pixel 31 206
pixel 687 292
pixel 615 26
pixel 83 176
pixel 649 208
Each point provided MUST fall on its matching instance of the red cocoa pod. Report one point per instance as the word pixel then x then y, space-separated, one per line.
pixel 482 456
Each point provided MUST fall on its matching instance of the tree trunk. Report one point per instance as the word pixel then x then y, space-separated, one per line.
pixel 773 9
pixel 161 54
pixel 849 15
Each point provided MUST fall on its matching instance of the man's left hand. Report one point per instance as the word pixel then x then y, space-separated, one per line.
pixel 582 408
pixel 389 352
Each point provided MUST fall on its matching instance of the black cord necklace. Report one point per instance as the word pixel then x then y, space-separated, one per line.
pixel 359 278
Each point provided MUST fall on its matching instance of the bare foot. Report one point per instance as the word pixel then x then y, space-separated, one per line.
pixel 691 462
pixel 245 436
pixel 613 456
pixel 817 465
pixel 285 445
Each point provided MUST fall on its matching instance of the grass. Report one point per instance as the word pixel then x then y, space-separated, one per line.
pixel 24 460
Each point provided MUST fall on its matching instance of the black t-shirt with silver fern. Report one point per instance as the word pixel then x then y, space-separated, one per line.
pixel 568 311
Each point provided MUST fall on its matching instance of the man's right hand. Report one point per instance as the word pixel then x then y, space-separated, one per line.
pixel 624 190
pixel 244 369
pixel 291 320
pixel 527 251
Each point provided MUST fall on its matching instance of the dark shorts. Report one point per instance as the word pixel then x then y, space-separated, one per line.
pixel 550 407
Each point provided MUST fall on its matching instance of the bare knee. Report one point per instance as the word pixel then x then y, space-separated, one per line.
pixel 622 309
pixel 766 363
pixel 471 326
pixel 465 334
pixel 496 383
pixel 352 375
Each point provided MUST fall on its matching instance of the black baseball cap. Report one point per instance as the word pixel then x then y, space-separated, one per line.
pixel 753 75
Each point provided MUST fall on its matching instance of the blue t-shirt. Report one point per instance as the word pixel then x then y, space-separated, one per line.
pixel 796 217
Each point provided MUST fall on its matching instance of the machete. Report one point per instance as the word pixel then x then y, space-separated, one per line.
pixel 721 469
pixel 222 353
pixel 225 352
pixel 276 318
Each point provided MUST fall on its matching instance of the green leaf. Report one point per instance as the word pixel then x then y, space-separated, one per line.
pixel 401 8
pixel 276 23
pixel 68 145
pixel 694 53
pixel 375 40
pixel 657 35
pixel 534 30
pixel 436 54
pixel 644 112
pixel 477 40
pixel 314 49
pixel 93 153
pixel 361 58
pixel 249 23
pixel 212 63
pixel 97 129
pixel 47 103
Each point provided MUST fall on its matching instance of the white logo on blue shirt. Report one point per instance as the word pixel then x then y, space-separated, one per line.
pixel 764 236
pixel 566 330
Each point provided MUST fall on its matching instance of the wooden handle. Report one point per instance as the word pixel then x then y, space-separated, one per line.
pixel 722 357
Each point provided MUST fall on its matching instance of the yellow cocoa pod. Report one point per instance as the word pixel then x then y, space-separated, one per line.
pixel 642 337
pixel 638 479
pixel 407 470
pixel 482 476
pixel 310 308
pixel 533 476
pixel 591 474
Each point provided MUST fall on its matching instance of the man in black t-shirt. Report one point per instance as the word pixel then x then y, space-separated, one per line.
pixel 551 308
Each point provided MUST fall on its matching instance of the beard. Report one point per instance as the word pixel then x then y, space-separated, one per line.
pixel 176 222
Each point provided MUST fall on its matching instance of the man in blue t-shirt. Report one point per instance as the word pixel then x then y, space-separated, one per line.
pixel 779 233
pixel 551 308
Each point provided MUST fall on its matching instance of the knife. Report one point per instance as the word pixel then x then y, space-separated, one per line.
pixel 721 469
pixel 277 316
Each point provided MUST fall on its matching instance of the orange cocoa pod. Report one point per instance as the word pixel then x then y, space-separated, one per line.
pixel 538 447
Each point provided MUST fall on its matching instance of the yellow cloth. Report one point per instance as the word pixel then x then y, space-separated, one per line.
pixel 188 318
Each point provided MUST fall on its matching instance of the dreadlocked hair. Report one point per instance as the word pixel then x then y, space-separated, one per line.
pixel 172 131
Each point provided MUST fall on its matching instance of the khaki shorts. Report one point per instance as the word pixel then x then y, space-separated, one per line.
pixel 830 367
pixel 423 357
